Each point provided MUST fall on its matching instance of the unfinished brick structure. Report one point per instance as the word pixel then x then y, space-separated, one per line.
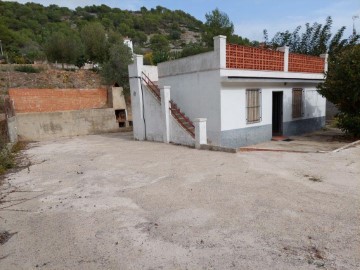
pixel 52 113
pixel 53 100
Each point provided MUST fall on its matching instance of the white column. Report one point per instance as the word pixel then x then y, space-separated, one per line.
pixel 165 109
pixel 325 56
pixel 135 70
pixel 220 50
pixel 285 50
pixel 200 132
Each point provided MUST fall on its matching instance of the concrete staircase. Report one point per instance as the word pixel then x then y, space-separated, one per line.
pixel 180 116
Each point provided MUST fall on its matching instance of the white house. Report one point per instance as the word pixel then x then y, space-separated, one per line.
pixel 248 95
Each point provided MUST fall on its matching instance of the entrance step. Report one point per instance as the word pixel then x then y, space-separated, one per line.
pixel 281 138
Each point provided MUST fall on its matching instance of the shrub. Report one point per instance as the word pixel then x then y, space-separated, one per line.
pixel 27 69
pixel 350 124
pixel 342 87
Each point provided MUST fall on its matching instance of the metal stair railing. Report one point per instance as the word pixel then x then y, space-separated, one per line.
pixel 152 86
pixel 180 117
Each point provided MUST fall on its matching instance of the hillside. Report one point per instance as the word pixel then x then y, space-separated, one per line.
pixel 47 78
pixel 25 29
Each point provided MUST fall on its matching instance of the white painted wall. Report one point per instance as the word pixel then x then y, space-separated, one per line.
pixel 153 117
pixel 233 108
pixel 135 70
pixel 190 64
pixel 179 135
pixel 315 104
pixel 151 72
pixel 198 96
pixel 233 105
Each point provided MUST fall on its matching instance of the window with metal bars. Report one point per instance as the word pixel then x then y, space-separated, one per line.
pixel 253 105
pixel 297 102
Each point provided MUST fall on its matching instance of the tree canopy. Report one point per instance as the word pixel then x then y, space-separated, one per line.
pixel 217 23
pixel 115 69
pixel 316 39
pixel 342 87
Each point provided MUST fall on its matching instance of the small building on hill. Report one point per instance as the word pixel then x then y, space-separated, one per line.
pixel 247 95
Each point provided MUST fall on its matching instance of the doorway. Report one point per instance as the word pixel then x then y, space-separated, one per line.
pixel 277 113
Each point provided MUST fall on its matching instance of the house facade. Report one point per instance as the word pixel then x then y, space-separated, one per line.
pixel 248 95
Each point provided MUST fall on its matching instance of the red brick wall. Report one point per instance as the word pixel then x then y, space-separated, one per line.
pixel 306 63
pixel 243 57
pixel 51 100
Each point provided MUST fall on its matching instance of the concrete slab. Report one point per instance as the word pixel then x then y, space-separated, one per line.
pixel 108 202
pixel 324 140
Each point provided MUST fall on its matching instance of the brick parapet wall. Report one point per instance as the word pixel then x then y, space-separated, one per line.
pixel 306 63
pixel 244 57
pixel 52 100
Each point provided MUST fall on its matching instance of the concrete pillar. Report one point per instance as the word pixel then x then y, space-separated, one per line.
pixel 135 70
pixel 220 50
pixel 165 109
pixel 200 132
pixel 285 50
pixel 325 56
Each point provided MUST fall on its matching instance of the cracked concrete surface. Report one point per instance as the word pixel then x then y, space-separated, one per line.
pixel 107 202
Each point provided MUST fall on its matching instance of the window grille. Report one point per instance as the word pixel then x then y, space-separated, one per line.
pixel 253 105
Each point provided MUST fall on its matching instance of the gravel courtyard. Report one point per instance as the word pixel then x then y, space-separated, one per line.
pixel 108 202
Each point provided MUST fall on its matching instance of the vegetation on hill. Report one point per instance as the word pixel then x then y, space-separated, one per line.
pixel 34 32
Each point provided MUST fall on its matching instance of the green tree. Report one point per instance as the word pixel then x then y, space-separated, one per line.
pixel 342 87
pixel 159 43
pixel 64 47
pixel 115 70
pixel 315 40
pixel 93 36
pixel 217 23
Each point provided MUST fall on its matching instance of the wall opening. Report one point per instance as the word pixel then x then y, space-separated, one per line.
pixel 277 113
pixel 121 117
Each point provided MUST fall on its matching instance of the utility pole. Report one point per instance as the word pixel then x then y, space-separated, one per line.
pixel 354 18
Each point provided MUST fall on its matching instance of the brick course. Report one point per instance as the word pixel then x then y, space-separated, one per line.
pixel 52 100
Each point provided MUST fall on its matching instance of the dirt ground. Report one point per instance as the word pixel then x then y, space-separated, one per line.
pixel 48 78
pixel 107 202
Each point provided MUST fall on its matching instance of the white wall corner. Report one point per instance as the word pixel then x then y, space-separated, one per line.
pixel 136 68
pixel 165 110
pixel 285 50
pixel 136 94
pixel 220 50
pixel 200 132
pixel 326 57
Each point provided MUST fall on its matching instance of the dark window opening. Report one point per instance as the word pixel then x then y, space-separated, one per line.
pixel 121 117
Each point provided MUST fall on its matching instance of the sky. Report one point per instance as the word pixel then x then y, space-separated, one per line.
pixel 250 17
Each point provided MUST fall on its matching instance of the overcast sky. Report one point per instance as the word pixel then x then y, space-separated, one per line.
pixel 250 17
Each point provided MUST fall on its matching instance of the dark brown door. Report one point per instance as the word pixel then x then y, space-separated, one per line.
pixel 277 113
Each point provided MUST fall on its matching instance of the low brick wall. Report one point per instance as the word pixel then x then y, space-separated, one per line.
pixel 53 100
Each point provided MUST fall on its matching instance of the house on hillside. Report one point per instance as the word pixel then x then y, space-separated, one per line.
pixel 247 95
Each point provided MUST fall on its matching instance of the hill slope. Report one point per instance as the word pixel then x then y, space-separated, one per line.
pixel 25 28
